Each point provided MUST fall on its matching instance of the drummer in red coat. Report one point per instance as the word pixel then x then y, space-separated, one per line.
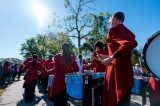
pixel 97 66
pixel 64 63
pixel 31 77
pixel 47 72
pixel 30 58
pixel 95 63
pixel 119 76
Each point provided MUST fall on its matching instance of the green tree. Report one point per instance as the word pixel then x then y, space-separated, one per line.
pixel 136 56
pixel 28 47
pixel 58 39
pixel 99 31
pixel 44 45
pixel 78 24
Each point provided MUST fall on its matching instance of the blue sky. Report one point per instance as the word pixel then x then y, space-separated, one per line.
pixel 22 19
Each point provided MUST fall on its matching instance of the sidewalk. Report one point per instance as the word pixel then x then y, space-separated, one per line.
pixel 13 96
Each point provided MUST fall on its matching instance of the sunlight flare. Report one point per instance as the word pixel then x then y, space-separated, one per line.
pixel 40 11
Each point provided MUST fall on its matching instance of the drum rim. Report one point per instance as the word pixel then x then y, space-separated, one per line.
pixel 74 74
pixel 156 34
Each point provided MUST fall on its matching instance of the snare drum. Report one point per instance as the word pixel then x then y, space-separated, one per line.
pixel 50 79
pixel 98 78
pixel 98 75
pixel 74 85
pixel 88 72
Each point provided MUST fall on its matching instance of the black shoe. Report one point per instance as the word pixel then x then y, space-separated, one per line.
pixel 28 100
pixel 46 91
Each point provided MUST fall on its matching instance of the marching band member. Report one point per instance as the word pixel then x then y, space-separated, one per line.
pixel 64 63
pixel 30 58
pixel 46 72
pixel 95 63
pixel 119 76
pixel 31 77
pixel 80 62
pixel 97 66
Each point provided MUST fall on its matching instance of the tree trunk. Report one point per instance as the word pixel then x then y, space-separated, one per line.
pixel 79 45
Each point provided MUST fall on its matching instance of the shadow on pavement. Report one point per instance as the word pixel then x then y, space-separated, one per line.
pixel 134 104
pixel 72 102
pixel 47 102
pixel 35 101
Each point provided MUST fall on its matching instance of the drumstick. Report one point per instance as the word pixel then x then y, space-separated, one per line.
pixel 98 59
pixel 110 64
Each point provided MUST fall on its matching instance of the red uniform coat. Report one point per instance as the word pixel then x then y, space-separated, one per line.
pixel 119 76
pixel 47 66
pixel 60 70
pixel 96 65
pixel 51 66
pixel 32 71
pixel 30 58
pixel 6 69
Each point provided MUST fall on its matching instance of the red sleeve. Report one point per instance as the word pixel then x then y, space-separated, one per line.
pixel 93 62
pixel 51 65
pixel 125 39
pixel 27 60
pixel 56 64
pixel 46 64
pixel 152 83
pixel 40 60
pixel 26 71
pixel 41 66
pixel 26 66
pixel 74 65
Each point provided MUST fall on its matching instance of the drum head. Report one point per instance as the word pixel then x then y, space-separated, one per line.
pixel 151 54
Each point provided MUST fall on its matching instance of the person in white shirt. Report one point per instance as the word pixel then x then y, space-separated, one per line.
pixel 137 70
pixel 80 63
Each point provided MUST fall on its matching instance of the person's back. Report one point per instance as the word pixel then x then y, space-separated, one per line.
pixel 119 75
pixel 63 63
pixel 60 70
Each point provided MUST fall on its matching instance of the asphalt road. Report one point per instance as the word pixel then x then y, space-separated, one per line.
pixel 13 96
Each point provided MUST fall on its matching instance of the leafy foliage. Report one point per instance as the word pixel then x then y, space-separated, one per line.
pixel 136 55
pixel 44 45
pixel 99 31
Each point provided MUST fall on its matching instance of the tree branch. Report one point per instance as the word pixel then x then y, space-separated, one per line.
pixel 86 35
pixel 89 1
pixel 70 30
pixel 73 36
